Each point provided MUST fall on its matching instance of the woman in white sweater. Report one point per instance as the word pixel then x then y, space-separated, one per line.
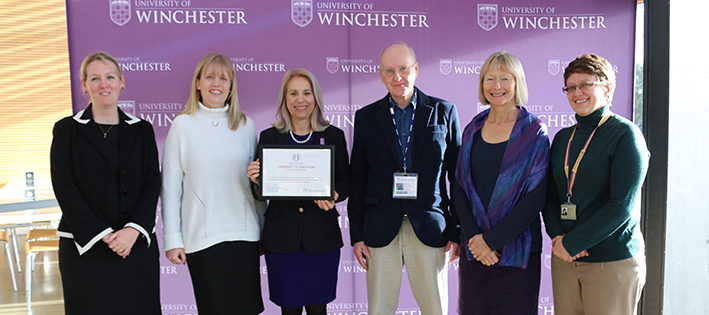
pixel 211 220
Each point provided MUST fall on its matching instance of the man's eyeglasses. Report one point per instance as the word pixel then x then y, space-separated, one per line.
pixel 403 71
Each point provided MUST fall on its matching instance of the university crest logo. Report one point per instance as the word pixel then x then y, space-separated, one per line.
pixel 119 10
pixel 127 107
pixel 547 261
pixel 487 16
pixel 554 66
pixel 332 64
pixel 445 66
pixel 301 12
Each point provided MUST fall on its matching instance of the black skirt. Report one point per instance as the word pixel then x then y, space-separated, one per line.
pixel 496 289
pixel 226 278
pixel 101 282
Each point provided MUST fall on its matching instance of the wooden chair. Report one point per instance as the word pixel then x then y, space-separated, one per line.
pixel 43 240
pixel 40 235
pixel 11 228
pixel 5 238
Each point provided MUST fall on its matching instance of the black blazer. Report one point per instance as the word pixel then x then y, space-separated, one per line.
pixel 375 216
pixel 286 226
pixel 79 171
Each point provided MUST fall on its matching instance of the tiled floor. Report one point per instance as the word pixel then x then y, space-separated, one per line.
pixel 47 296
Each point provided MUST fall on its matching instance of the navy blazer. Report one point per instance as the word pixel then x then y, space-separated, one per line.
pixel 292 222
pixel 375 216
pixel 79 171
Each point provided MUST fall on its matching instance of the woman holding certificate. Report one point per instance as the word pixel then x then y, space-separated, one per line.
pixel 210 219
pixel 301 238
pixel 592 213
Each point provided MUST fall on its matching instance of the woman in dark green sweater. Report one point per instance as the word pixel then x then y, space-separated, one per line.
pixel 593 205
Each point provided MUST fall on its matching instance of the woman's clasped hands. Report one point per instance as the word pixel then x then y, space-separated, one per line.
pixel 482 252
pixel 122 241
pixel 559 250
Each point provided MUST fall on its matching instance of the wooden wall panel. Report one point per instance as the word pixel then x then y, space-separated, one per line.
pixel 34 85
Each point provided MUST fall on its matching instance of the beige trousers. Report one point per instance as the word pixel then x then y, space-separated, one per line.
pixel 426 267
pixel 602 288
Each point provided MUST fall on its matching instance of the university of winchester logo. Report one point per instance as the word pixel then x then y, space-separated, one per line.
pixel 127 107
pixel 119 11
pixel 445 66
pixel 333 63
pixel 554 66
pixel 301 12
pixel 547 261
pixel 487 16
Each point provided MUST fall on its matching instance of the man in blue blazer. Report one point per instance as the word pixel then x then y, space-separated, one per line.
pixel 400 213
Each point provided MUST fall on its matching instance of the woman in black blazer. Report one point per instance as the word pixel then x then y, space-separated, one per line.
pixel 302 238
pixel 105 174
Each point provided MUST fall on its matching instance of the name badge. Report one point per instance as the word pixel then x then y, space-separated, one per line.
pixel 405 185
pixel 568 211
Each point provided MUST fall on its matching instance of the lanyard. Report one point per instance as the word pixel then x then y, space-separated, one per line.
pixel 572 180
pixel 404 149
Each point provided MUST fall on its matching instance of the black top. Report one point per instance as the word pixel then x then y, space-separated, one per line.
pixel 110 146
pixel 485 164
pixel 86 168
pixel 486 160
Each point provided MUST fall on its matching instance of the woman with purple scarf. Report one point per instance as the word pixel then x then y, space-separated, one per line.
pixel 499 191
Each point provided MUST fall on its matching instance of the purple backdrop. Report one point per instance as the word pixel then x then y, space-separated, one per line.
pixel 159 43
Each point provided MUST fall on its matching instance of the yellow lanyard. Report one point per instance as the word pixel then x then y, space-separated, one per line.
pixel 572 180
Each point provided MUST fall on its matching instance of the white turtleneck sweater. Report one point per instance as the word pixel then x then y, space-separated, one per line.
pixel 206 197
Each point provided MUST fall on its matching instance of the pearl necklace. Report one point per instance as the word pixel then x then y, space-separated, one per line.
pixel 292 136
pixel 214 114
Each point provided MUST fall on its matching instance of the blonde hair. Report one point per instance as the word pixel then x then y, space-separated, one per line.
pixel 215 62
pixel 104 57
pixel 317 120
pixel 508 63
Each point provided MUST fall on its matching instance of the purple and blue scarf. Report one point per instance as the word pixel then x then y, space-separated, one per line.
pixel 524 166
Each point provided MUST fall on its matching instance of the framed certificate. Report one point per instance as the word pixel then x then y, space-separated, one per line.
pixel 297 172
